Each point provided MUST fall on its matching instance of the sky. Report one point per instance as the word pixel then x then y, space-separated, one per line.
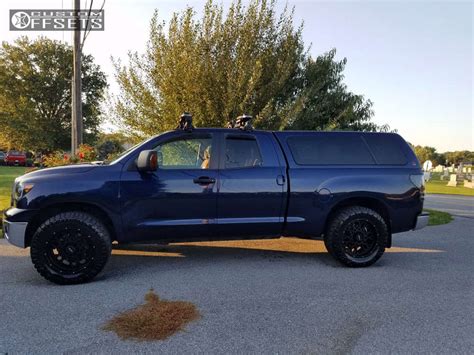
pixel 412 59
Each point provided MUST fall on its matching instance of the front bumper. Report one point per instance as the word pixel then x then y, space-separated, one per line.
pixel 15 221
pixel 422 221
pixel 15 233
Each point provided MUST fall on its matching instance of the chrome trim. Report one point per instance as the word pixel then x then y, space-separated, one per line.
pixel 192 222
pixel 422 221
pixel 15 233
pixel 295 219
pixel 246 220
pixel 177 222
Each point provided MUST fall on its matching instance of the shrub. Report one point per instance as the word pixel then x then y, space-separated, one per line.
pixel 108 149
pixel 56 159
pixel 85 153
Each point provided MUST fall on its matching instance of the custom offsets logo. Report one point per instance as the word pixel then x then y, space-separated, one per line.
pixel 56 20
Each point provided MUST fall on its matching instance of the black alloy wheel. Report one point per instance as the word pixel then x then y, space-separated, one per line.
pixel 70 248
pixel 356 236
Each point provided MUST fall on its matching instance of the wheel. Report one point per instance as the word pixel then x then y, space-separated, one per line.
pixel 70 248
pixel 356 236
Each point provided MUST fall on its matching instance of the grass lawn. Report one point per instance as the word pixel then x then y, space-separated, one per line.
pixel 438 217
pixel 7 175
pixel 439 187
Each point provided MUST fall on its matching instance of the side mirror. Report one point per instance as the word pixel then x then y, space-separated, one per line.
pixel 147 160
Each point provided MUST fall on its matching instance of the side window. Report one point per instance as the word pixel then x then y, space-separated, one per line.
pixel 242 152
pixel 387 148
pixel 185 153
pixel 330 149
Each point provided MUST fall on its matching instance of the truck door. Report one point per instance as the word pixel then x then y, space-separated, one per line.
pixel 252 185
pixel 179 200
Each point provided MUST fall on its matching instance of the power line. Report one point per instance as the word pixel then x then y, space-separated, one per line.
pixel 88 27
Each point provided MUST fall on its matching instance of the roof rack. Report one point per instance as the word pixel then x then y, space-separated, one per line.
pixel 185 122
pixel 242 122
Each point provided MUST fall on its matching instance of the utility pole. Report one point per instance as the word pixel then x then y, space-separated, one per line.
pixel 76 126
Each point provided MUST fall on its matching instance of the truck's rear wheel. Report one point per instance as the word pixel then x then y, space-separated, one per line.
pixel 356 236
pixel 70 248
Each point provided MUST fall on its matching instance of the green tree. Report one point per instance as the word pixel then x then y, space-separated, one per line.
pixel 35 94
pixel 249 60
pixel 460 156
pixel 324 102
pixel 424 153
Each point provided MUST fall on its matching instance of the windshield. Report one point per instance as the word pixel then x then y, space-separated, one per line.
pixel 121 155
pixel 128 151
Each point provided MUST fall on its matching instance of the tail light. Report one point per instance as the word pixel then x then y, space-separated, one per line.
pixel 418 181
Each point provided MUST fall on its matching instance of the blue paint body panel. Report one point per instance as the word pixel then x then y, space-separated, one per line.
pixel 278 197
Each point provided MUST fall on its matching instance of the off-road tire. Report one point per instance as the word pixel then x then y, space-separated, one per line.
pixel 70 248
pixel 353 228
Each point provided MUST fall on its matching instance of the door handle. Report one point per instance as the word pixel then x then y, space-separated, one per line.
pixel 204 180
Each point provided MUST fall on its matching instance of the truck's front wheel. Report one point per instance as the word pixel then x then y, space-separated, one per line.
pixel 356 236
pixel 70 248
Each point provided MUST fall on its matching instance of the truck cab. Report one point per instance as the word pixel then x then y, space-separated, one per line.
pixel 214 183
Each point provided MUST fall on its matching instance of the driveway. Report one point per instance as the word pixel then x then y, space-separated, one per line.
pixel 454 204
pixel 278 296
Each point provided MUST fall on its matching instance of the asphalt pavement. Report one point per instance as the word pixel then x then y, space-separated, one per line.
pixel 456 205
pixel 264 297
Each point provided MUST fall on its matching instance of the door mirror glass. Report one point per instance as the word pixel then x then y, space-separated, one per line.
pixel 147 160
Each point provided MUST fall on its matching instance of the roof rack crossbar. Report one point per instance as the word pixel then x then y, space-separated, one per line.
pixel 242 122
pixel 185 122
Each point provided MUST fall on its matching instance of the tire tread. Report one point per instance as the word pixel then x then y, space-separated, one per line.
pixel 330 238
pixel 81 217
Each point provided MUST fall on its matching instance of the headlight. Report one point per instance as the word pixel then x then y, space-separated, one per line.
pixel 21 189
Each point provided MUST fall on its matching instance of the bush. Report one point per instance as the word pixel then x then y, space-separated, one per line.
pixel 56 159
pixel 108 149
pixel 85 154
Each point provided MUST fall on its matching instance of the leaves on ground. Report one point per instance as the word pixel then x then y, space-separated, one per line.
pixel 156 319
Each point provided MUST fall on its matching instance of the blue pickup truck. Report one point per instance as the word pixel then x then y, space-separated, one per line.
pixel 352 189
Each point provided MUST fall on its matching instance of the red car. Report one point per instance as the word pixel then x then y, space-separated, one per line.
pixel 14 157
